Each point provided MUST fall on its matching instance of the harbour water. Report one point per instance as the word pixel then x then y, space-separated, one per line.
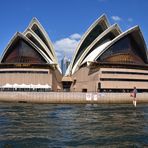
pixel 49 125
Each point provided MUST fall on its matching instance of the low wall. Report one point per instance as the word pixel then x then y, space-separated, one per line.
pixel 71 97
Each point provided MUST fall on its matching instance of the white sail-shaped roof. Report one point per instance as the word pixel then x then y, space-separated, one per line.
pixel 32 36
pixel 36 30
pixel 114 29
pixel 99 26
pixel 138 38
pixel 94 53
pixel 100 50
pixel 36 36
pixel 21 36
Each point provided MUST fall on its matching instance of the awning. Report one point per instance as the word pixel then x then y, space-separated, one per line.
pixel 7 86
pixel 24 86
pixel 21 86
pixel 40 86
pixel 27 86
pixel 47 86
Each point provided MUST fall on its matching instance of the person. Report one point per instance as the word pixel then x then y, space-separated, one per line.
pixel 134 96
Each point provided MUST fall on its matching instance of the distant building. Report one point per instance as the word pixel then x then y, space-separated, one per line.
pixel 64 64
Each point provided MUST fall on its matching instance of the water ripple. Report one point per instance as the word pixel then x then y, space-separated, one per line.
pixel 38 125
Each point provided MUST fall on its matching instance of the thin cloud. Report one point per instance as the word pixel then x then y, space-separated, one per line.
pixel 130 20
pixel 75 36
pixel 67 46
pixel 116 18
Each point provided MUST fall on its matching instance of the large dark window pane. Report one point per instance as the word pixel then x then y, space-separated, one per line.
pixel 125 50
pixel 89 39
pixel 108 37
pixel 21 52
pixel 36 29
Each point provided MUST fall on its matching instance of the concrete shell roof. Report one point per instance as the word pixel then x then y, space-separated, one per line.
pixel 98 52
pixel 114 29
pixel 21 36
pixel 49 49
pixel 35 21
pixel 45 49
pixel 93 54
pixel 42 44
pixel 100 19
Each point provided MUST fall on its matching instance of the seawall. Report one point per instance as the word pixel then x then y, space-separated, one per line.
pixel 71 97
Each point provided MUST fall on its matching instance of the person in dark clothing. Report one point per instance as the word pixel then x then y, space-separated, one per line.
pixel 134 96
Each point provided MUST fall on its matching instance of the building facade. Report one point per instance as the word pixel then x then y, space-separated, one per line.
pixel 109 60
pixel 29 62
pixel 105 60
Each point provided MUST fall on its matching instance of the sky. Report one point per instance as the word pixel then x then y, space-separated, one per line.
pixel 66 21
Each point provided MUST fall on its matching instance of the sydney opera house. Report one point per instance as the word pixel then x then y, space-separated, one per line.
pixel 29 62
pixel 105 60
pixel 109 60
